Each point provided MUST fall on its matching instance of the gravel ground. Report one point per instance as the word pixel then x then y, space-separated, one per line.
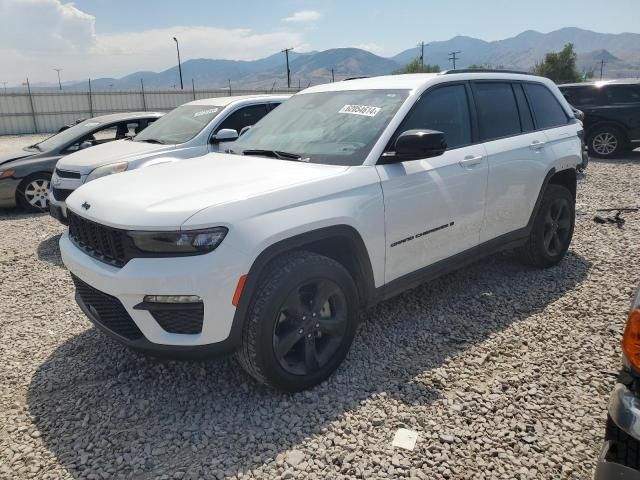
pixel 504 372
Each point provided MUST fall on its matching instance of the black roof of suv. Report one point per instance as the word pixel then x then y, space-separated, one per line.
pixel 612 114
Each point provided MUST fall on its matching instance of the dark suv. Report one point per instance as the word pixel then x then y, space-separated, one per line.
pixel 612 114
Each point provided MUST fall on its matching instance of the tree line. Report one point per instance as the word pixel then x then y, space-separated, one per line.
pixel 559 66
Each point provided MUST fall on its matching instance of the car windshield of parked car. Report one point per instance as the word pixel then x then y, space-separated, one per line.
pixel 179 125
pixel 337 127
pixel 66 136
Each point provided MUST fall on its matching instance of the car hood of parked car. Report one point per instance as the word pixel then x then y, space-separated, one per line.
pixel 84 161
pixel 163 197
pixel 10 157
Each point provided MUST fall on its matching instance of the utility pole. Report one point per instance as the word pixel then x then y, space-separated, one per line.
pixel 602 64
pixel 421 45
pixel 286 54
pixel 333 76
pixel 4 84
pixel 59 82
pixel 453 56
pixel 179 64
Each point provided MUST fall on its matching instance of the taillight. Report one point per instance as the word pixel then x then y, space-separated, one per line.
pixel 631 337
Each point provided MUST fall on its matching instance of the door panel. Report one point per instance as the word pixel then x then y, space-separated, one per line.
pixel 433 208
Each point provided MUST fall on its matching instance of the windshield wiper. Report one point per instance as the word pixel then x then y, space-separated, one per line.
pixel 276 154
pixel 35 146
pixel 152 140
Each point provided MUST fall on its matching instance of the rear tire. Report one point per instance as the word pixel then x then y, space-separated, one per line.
pixel 607 142
pixel 33 193
pixel 300 322
pixel 552 229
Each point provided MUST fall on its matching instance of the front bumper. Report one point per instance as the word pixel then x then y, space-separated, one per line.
pixel 619 456
pixel 213 277
pixel 8 188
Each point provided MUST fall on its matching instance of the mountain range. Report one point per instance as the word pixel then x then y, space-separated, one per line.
pixel 621 52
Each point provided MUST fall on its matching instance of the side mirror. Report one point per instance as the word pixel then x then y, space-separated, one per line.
pixel 416 144
pixel 85 144
pixel 225 135
pixel 245 130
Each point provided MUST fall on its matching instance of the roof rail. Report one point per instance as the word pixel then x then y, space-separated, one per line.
pixel 484 70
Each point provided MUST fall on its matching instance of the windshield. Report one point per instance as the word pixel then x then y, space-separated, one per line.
pixel 70 134
pixel 179 125
pixel 337 128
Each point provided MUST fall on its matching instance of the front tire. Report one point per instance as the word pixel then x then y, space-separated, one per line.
pixel 607 142
pixel 300 322
pixel 33 193
pixel 552 229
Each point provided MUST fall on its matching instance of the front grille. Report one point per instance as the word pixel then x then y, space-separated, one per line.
pixel 61 194
pixel 624 449
pixel 104 243
pixel 107 310
pixel 183 320
pixel 67 174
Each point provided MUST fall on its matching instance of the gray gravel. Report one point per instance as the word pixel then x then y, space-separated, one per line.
pixel 502 370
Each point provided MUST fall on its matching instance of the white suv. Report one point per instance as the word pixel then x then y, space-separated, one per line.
pixel 190 130
pixel 345 195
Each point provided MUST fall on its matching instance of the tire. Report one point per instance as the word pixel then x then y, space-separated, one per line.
pixel 607 142
pixel 292 339
pixel 33 193
pixel 552 229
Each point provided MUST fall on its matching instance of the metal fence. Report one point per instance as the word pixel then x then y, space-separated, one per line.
pixel 44 112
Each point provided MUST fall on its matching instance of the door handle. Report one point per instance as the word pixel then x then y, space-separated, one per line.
pixel 470 161
pixel 537 145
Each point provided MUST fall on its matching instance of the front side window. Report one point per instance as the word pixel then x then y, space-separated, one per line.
pixel 243 117
pixel 179 125
pixel 588 95
pixel 547 110
pixel 497 110
pixel 621 94
pixel 446 110
pixel 336 128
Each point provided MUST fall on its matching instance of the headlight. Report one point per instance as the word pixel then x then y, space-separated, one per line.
pixel 107 170
pixel 189 242
pixel 6 173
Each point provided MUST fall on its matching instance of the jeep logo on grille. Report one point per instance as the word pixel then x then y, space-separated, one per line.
pixel 86 206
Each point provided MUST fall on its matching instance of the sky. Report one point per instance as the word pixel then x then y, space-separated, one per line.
pixel 112 38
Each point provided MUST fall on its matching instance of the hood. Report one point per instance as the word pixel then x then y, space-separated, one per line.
pixel 163 197
pixel 84 161
pixel 9 157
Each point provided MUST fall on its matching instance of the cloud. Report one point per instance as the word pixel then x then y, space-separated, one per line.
pixel 303 16
pixel 39 35
pixel 371 47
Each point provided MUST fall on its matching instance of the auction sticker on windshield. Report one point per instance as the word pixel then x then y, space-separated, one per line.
pixel 205 112
pixel 360 110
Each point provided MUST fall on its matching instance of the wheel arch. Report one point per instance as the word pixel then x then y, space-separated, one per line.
pixel 342 243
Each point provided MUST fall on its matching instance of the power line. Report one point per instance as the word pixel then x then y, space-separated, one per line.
pixel 602 64
pixel 421 45
pixel 286 54
pixel 453 56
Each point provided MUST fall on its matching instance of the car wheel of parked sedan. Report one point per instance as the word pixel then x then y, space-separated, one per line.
pixel 606 142
pixel 552 229
pixel 300 323
pixel 33 193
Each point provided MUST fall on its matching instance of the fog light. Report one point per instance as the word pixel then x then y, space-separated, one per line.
pixel 172 299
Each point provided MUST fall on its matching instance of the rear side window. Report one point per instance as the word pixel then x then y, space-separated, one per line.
pixel 547 110
pixel 526 120
pixel 446 110
pixel 497 110
pixel 621 94
pixel 581 96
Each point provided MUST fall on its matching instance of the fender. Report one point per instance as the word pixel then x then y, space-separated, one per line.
pixel 313 238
